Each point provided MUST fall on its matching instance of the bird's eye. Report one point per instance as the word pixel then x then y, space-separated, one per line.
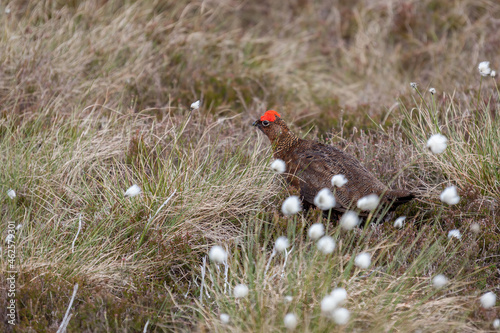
pixel 265 123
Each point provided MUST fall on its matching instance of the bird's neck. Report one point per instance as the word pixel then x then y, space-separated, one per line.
pixel 283 143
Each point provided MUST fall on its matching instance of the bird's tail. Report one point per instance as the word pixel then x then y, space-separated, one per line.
pixel 398 197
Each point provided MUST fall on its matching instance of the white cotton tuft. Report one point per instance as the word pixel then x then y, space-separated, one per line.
pixel 324 200
pixel 475 227
pixel 369 202
pixel 413 85
pixel 496 323
pixel 455 233
pixel 493 73
pixel 224 318
pixel 339 295
pixel 437 143
pixel 278 166
pixel 349 220
pixel 217 254
pixel 195 105
pixel 328 304
pixel 326 245
pixel 281 244
pixel 432 91
pixel 341 316
pixel 363 260
pixel 450 195
pixel 291 205
pixel 339 180
pixel 484 68
pixel 240 291
pixel 11 193
pixel 439 281
pixel 399 222
pixel 316 231
pixel 19 226
pixel 132 191
pixel 290 321
pixel 488 300
pixel 288 299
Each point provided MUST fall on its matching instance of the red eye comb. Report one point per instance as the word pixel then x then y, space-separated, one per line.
pixel 270 115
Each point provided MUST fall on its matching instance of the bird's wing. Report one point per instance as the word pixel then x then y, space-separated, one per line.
pixel 316 167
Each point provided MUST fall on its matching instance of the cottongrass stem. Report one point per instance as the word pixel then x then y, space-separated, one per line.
pixel 203 269
pixel 67 316
pixel 78 232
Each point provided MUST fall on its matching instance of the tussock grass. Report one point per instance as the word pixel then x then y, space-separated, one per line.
pixel 94 98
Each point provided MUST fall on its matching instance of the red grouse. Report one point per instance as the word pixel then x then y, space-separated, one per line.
pixel 310 166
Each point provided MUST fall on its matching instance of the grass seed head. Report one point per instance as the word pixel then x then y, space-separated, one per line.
pixel 349 220
pixel 281 244
pixel 496 323
pixel 278 166
pixel 341 316
pixel 224 318
pixel 217 254
pixel 493 73
pixel 432 91
pixel 339 294
pixel 240 291
pixel 369 202
pixel 290 321
pixel 455 233
pixel 11 193
pixel 316 231
pixel 132 191
pixel 326 245
pixel 484 68
pixel 450 195
pixel 363 260
pixel 339 180
pixel 488 300
pixel 291 206
pixel 324 200
pixel 399 222
pixel 413 85
pixel 328 304
pixel 437 143
pixel 439 281
pixel 195 105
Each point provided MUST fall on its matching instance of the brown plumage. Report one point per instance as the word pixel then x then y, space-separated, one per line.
pixel 310 166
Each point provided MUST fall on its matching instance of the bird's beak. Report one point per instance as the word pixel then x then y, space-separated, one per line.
pixel 255 123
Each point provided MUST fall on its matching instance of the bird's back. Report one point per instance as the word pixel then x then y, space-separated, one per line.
pixel 314 164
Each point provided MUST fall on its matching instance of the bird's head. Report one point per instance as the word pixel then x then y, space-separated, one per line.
pixel 271 125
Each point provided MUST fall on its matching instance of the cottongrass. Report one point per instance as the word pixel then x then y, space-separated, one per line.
pixel 195 105
pixel 326 245
pixel 413 85
pixel 339 295
pixel 290 321
pixel 484 68
pixel 224 318
pixel 363 260
pixel 493 73
pixel 291 205
pixel 281 244
pixel 399 222
pixel 455 233
pixel 439 281
pixel 341 316
pixel 369 202
pixel 278 166
pixel 328 304
pixel 496 323
pixel 437 143
pixel 349 220
pixel 240 291
pixel 288 299
pixel 339 180
pixel 450 196
pixel 132 191
pixel 432 91
pixel 316 231
pixel 217 254
pixel 324 200
pixel 488 300
pixel 475 227
pixel 11 193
